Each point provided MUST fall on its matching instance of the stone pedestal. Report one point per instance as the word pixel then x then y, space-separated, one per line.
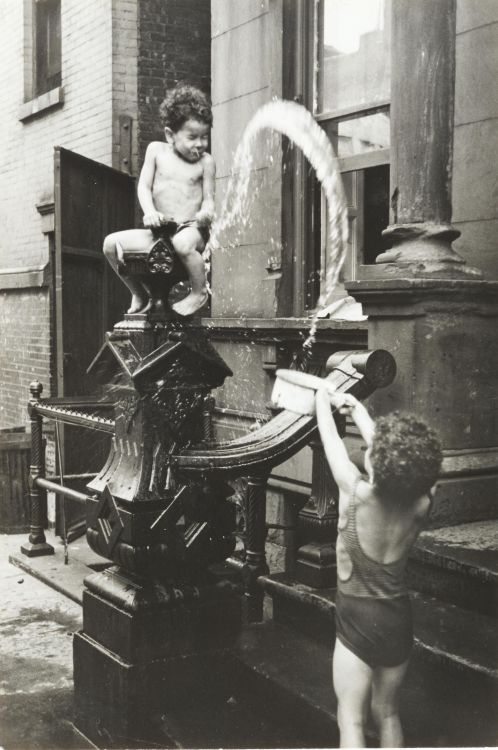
pixel 442 333
pixel 146 648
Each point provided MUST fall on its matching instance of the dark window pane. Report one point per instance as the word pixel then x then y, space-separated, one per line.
pixel 376 212
pixel 47 45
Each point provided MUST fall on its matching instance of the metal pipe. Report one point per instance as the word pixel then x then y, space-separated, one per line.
pixel 56 477
pixel 58 488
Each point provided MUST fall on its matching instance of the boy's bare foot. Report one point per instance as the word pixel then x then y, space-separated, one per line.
pixel 193 302
pixel 138 304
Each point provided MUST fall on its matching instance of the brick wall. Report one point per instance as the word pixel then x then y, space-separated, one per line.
pixel 24 350
pixel 174 41
pixel 83 124
pixel 117 55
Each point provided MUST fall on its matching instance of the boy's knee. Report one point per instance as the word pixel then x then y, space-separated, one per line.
pixel 185 242
pixel 347 721
pixel 381 711
pixel 348 713
pixel 182 248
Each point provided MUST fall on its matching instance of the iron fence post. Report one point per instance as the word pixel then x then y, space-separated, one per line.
pixel 37 544
pixel 255 555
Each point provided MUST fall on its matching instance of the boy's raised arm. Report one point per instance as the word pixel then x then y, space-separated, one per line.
pixel 363 421
pixel 343 469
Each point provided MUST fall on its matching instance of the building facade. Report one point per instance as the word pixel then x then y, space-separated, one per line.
pixel 88 78
pixel 410 108
pixel 415 140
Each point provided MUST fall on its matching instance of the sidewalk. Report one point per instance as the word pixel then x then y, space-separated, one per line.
pixel 41 612
pixel 36 658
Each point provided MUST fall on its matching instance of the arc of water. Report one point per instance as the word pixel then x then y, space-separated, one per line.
pixel 296 123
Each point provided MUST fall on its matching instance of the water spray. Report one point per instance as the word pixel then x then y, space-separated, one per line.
pixel 297 124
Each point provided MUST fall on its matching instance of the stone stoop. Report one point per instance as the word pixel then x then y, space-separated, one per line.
pixel 450 693
pixel 458 564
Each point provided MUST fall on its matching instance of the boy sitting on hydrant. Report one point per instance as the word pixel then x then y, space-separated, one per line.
pixel 176 193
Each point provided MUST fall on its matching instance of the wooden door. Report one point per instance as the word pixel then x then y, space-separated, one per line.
pixel 91 200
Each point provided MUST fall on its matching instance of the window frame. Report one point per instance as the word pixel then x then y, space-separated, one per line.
pixel 303 236
pixel 35 104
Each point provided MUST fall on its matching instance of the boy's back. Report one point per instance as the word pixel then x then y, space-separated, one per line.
pixel 386 532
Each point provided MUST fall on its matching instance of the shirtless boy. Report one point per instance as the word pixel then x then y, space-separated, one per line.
pixel 175 191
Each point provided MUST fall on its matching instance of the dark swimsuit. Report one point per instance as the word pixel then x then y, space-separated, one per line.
pixel 373 611
pixel 162 253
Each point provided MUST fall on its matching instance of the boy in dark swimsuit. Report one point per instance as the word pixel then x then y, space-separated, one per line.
pixel 380 517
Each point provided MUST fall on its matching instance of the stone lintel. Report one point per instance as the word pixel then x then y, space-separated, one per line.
pixel 406 296
pixel 470 462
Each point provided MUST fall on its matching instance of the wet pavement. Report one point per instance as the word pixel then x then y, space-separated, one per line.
pixel 41 610
pixel 36 659
pixel 36 654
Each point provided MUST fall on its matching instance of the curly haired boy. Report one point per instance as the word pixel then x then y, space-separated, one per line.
pixel 176 193
pixel 380 517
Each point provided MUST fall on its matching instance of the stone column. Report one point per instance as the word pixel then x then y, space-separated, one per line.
pixel 434 313
pixel 422 107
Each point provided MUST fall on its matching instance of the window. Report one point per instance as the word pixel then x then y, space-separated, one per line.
pixel 47 46
pixel 42 58
pixel 338 65
pixel 351 102
pixel 353 50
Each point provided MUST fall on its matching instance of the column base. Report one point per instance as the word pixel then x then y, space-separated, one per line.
pixel 316 566
pixel 37 549
pixel 421 250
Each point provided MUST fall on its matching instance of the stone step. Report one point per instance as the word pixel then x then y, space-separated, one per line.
pixel 458 564
pixel 285 673
pixel 454 658
pixel 454 637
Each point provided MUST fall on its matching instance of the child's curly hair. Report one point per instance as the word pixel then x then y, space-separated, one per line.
pixel 406 457
pixel 183 103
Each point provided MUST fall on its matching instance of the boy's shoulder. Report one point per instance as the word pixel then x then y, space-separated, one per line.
pixel 157 147
pixel 423 505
